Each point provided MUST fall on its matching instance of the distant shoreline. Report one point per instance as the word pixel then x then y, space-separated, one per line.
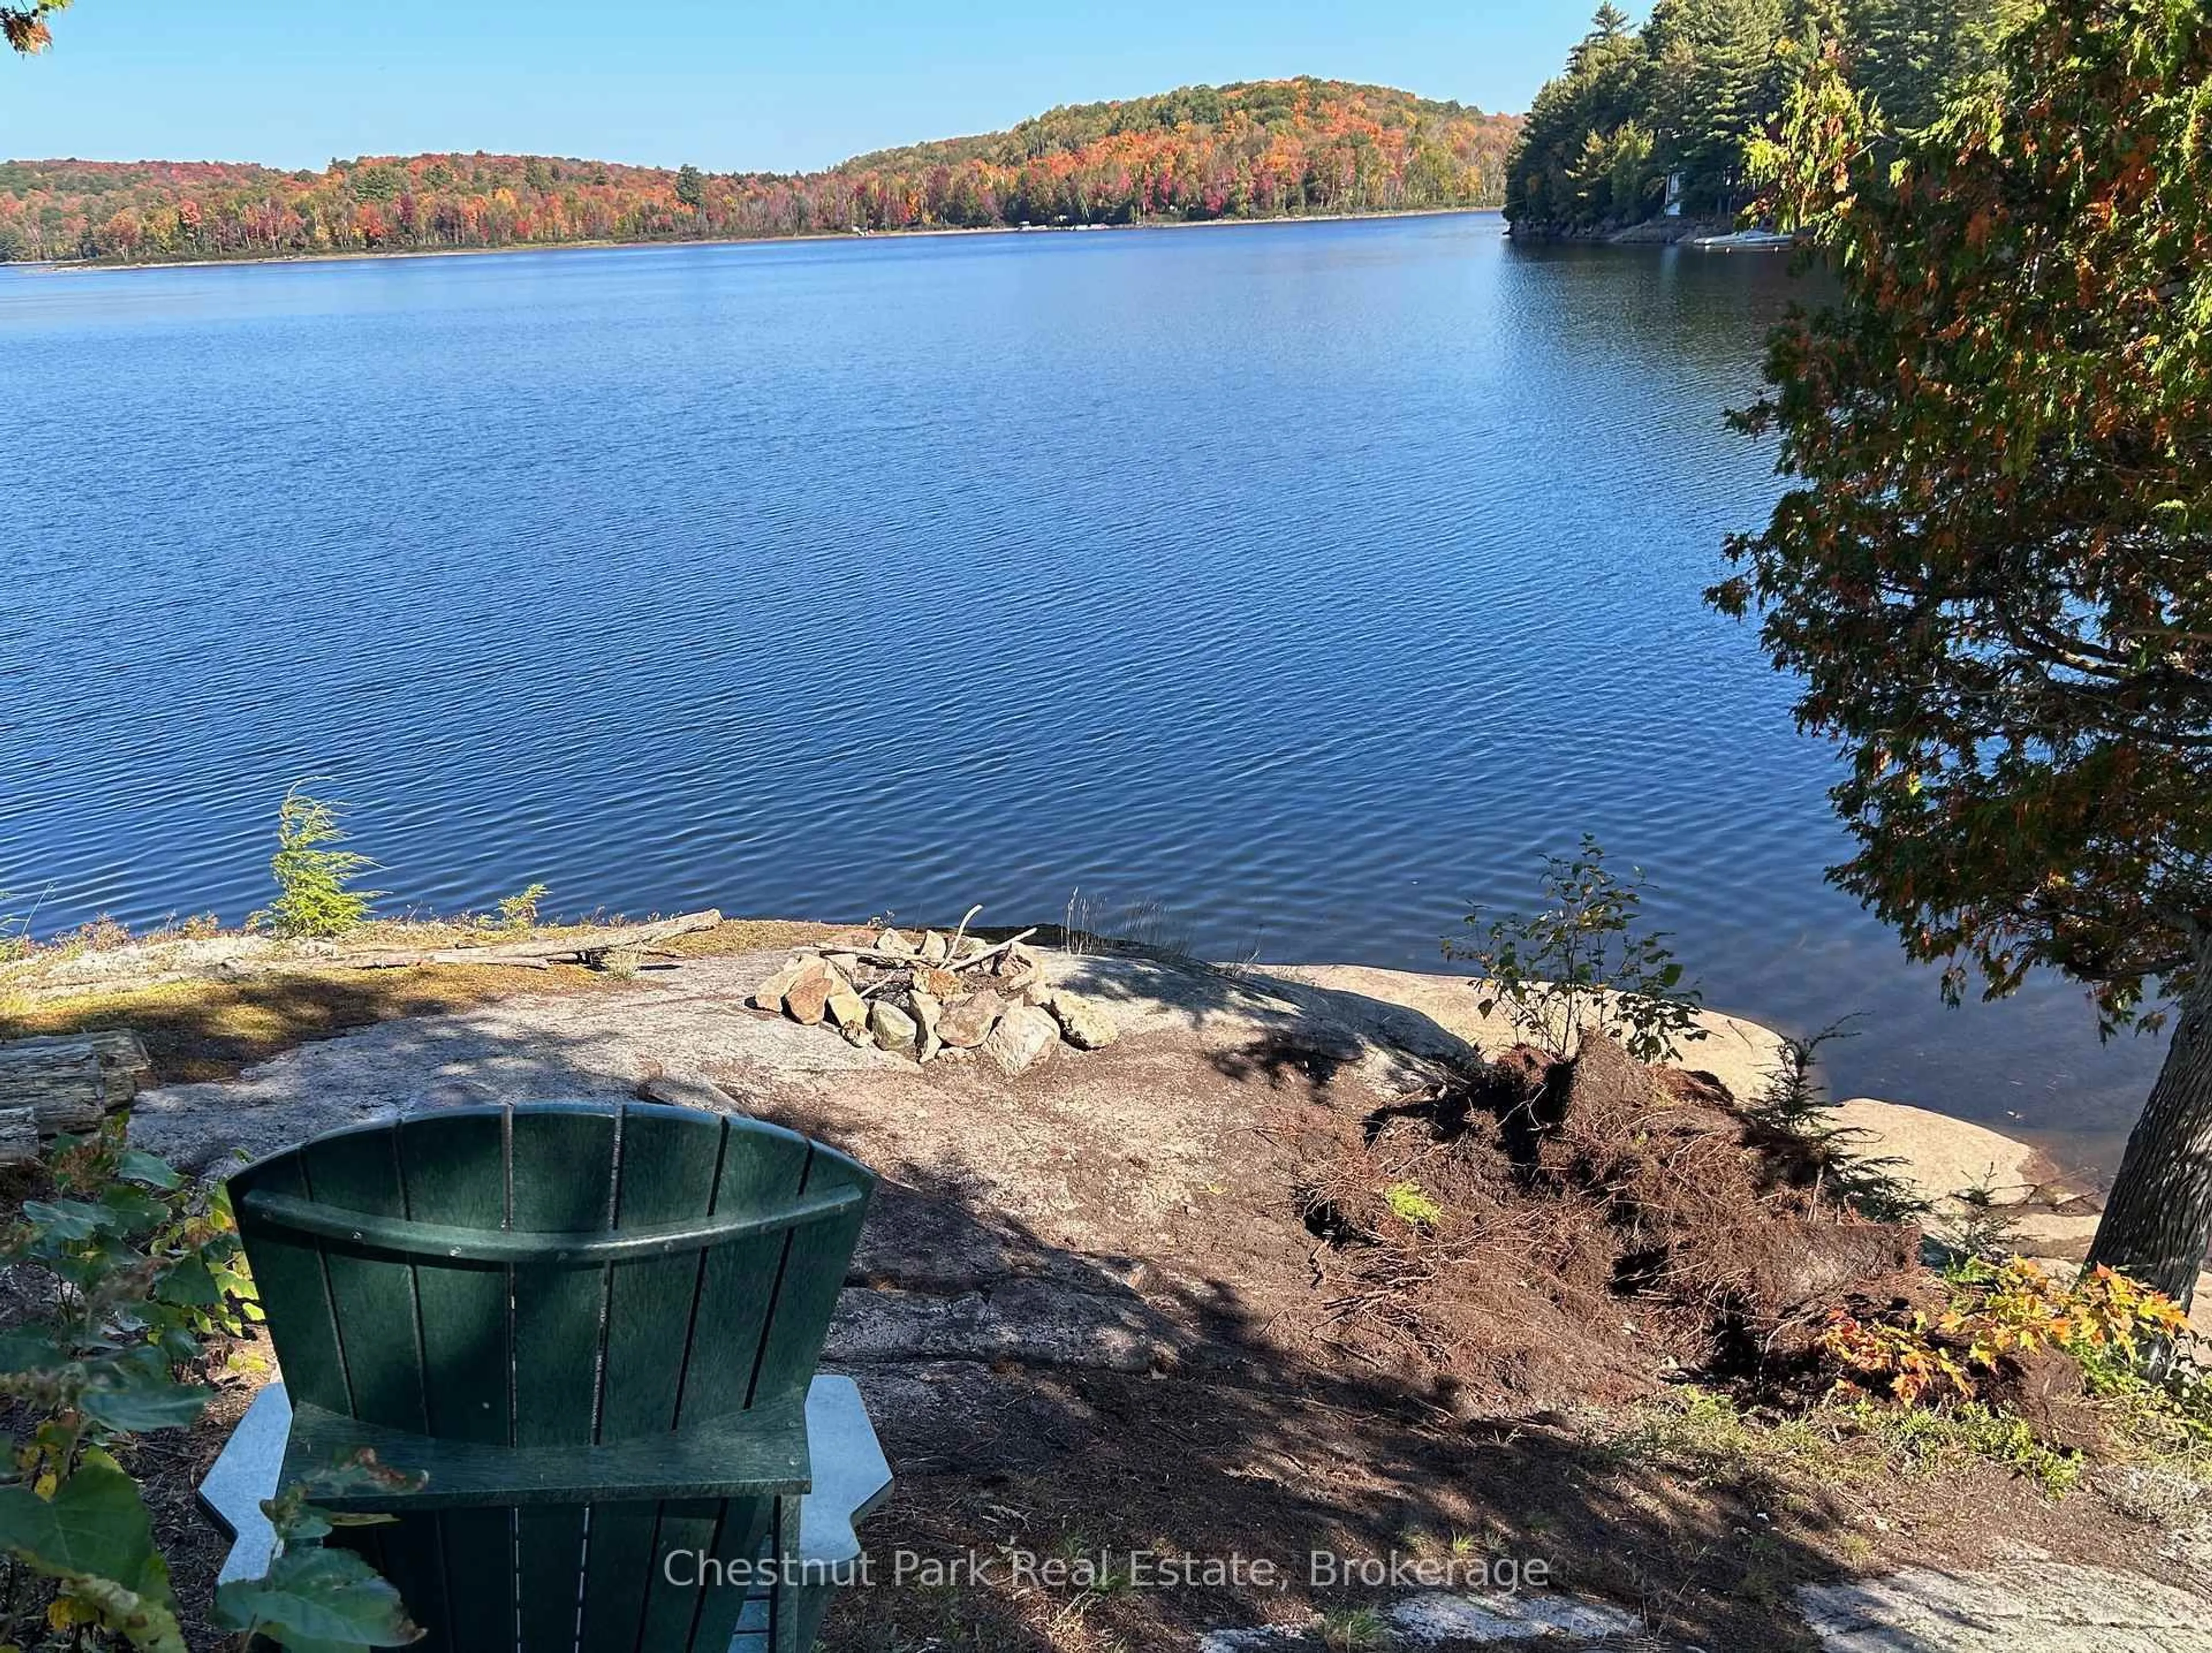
pixel 99 266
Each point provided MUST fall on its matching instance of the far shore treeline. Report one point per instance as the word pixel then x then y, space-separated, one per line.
pixel 1258 149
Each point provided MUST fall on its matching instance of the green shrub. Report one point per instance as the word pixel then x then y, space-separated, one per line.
pixel 315 1600
pixel 518 911
pixel 1980 1229
pixel 192 927
pixel 2139 1361
pixel 1408 1204
pixel 1994 1310
pixel 1582 966
pixel 1918 1438
pixel 99 935
pixel 313 898
pixel 144 1267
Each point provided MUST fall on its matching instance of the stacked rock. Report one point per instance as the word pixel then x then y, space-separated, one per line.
pixel 921 996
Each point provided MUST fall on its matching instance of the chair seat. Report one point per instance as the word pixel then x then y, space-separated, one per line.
pixel 849 1474
pixel 760 1452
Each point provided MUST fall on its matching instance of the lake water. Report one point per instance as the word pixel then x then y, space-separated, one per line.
pixel 1306 580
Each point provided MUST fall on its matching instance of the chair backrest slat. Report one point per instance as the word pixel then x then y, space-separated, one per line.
pixel 814 1267
pixel 458 1569
pixel 618 1573
pixel 294 1293
pixel 738 1539
pixel 671 1610
pixel 476 1547
pixel 766 1167
pixel 373 1300
pixel 411 1554
pixel 454 1167
pixel 670 1164
pixel 562 1178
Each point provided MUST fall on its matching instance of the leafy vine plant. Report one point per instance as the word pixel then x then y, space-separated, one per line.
pixel 144 1275
pixel 1583 964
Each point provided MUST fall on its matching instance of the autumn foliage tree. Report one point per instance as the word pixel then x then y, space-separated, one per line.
pixel 25 26
pixel 1995 569
pixel 1263 148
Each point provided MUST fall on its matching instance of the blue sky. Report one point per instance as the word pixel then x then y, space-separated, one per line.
pixel 723 86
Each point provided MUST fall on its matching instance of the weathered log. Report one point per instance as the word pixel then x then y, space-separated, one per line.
pixel 591 949
pixel 65 1082
pixel 64 1097
pixel 116 1050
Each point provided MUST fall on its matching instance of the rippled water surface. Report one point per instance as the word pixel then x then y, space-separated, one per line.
pixel 1304 580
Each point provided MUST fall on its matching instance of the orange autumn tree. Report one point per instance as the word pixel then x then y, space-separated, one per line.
pixel 1993 570
pixel 26 26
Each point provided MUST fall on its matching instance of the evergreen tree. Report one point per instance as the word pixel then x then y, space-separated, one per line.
pixel 1704 79
pixel 1609 23
pixel 1909 55
pixel 1552 162
pixel 1716 60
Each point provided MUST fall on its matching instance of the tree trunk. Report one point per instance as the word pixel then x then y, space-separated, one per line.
pixel 2158 1220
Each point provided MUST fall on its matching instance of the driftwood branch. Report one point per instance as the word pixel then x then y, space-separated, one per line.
pixel 901 961
pixel 990 952
pixel 542 953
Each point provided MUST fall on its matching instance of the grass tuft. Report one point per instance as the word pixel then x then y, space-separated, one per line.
pixel 1355 1630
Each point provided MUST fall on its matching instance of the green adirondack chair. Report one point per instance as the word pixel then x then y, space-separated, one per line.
pixel 590 1327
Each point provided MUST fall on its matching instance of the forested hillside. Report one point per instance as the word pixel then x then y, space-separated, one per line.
pixel 1678 97
pixel 1258 149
